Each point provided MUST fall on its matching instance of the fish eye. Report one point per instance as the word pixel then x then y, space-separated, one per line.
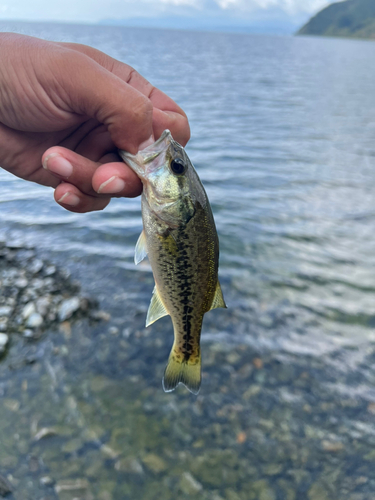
pixel 178 167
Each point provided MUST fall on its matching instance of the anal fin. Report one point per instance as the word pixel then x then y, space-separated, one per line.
pixel 157 309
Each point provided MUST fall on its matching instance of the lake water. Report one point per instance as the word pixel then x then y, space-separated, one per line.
pixel 283 138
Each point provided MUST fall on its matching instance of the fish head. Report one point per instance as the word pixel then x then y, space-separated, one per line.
pixel 171 186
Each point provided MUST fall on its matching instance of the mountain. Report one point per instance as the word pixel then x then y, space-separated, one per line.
pixel 272 21
pixel 351 18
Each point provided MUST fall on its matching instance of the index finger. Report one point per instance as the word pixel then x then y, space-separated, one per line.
pixel 167 114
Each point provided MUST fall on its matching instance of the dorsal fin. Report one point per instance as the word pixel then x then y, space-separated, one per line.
pixel 156 310
pixel 218 298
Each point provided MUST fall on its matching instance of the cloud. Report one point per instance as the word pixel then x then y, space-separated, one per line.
pixel 95 10
pixel 238 6
pixel 191 3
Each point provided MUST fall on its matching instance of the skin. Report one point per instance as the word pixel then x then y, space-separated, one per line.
pixel 68 107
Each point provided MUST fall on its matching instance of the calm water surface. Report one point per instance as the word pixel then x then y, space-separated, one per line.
pixel 283 136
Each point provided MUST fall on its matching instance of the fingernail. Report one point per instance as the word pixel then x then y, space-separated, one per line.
pixel 112 186
pixel 58 165
pixel 69 199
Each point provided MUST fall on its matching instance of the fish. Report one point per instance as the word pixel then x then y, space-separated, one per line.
pixel 180 239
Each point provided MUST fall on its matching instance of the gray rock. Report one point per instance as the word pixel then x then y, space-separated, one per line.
pixel 100 315
pixel 37 284
pixel 45 432
pixel 4 339
pixel 35 266
pixel 28 310
pixel 5 487
pixel 46 481
pixel 129 465
pixel 189 485
pixel 29 334
pixel 35 320
pixel 68 307
pixel 155 463
pixel 50 270
pixel 3 324
pixel 42 305
pixel 21 283
pixel 6 311
pixel 78 486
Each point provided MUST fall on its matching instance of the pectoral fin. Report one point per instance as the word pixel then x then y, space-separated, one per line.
pixel 156 309
pixel 218 298
pixel 140 248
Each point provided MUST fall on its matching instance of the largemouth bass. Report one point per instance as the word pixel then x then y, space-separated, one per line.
pixel 180 239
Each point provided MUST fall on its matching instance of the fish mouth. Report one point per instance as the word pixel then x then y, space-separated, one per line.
pixel 138 163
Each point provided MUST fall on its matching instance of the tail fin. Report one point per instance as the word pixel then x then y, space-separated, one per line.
pixel 186 373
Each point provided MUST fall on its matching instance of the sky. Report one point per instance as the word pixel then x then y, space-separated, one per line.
pixel 223 11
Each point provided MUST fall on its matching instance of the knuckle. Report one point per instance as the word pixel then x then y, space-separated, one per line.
pixel 143 109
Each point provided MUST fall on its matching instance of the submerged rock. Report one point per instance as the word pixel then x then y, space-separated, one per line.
pixel 6 311
pixel 155 463
pixel 189 485
pixel 4 339
pixel 5 487
pixel 73 489
pixel 35 320
pixel 68 308
pixel 28 310
pixel 44 433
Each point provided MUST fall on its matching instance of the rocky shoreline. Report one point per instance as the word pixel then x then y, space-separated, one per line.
pixel 36 295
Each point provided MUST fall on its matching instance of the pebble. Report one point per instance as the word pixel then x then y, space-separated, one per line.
pixel 67 308
pixel 44 433
pixel 21 283
pixel 35 266
pixel 35 320
pixel 28 310
pixel 5 487
pixel 100 315
pixel 6 311
pixel 318 492
pixel 332 446
pixel 129 465
pixel 4 339
pixel 189 485
pixel 12 404
pixel 154 463
pixel 76 485
pixel 241 437
pixel 50 270
pixel 110 452
pixel 267 494
pixel 258 363
pixel 30 334
pixel 43 305
pixel 46 481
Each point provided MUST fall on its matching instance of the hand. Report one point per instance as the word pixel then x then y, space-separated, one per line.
pixel 69 107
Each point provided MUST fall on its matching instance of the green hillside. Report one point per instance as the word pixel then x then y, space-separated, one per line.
pixel 352 18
